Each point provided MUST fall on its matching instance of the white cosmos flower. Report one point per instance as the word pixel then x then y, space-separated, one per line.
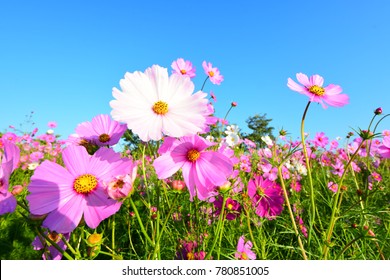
pixel 153 104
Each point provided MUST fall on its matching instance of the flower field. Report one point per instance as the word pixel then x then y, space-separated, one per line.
pixel 188 185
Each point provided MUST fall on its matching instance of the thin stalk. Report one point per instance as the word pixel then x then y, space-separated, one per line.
pixel 204 83
pixel 335 208
pixel 219 227
pixel 312 200
pixel 113 233
pixel 291 212
pixel 140 222
pixel 54 244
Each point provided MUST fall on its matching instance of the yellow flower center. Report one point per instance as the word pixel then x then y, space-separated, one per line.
pixel 104 138
pixel 230 206
pixel 244 256
pixel 190 256
pixel 85 184
pixel 211 74
pixel 160 108
pixel 193 155
pixel 183 71
pixel 118 184
pixel 319 91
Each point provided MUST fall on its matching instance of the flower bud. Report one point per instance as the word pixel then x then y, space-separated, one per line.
pixel 378 111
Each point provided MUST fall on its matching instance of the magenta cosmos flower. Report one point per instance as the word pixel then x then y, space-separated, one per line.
pixel 266 196
pixel 49 251
pixel 183 67
pixel 101 131
pixel 154 104
pixel 77 190
pixel 213 73
pixel 244 251
pixel 313 88
pixel 9 160
pixel 202 170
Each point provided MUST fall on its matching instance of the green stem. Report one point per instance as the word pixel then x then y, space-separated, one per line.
pixel 140 222
pixel 219 227
pixel 312 200
pixel 291 212
pixel 54 244
pixel 204 83
pixel 113 233
pixel 336 205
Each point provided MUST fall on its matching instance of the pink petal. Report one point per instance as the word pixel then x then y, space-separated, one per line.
pixel 50 186
pixel 166 165
pixel 304 80
pixel 99 207
pixel 7 203
pixel 316 80
pixel 338 100
pixel 294 86
pixel 76 159
pixel 333 89
pixel 67 217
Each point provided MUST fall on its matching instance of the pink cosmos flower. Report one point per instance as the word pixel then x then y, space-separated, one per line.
pixel 266 196
pixel 52 124
pixel 244 251
pixel 183 68
pixel 122 185
pixel 232 207
pixel 49 251
pixel 313 88
pixel 213 73
pixel 9 161
pixel 384 148
pixel 102 131
pixel 333 186
pixel 202 170
pixel 154 104
pixel 69 193
pixel 320 140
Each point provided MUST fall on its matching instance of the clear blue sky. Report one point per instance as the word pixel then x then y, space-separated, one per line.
pixel 61 59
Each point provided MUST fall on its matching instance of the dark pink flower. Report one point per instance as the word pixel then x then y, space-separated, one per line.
pixel 202 170
pixel 313 88
pixel 266 196
pixel 49 251
pixel 232 207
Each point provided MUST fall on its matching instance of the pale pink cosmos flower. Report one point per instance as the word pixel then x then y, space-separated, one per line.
pixel 213 73
pixel 313 88
pixel 9 160
pixel 102 131
pixel 183 67
pixel 122 185
pixel 202 170
pixel 77 190
pixel 244 251
pixel 333 186
pixel 384 149
pixel 153 104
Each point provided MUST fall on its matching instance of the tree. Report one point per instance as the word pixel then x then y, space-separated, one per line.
pixel 259 124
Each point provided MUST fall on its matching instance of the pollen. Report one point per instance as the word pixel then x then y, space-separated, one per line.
pixel 317 90
pixel 211 73
pixel 85 184
pixel 183 71
pixel 193 155
pixel 160 108
pixel 104 138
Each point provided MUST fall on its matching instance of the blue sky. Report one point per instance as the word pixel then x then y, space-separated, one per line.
pixel 61 59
